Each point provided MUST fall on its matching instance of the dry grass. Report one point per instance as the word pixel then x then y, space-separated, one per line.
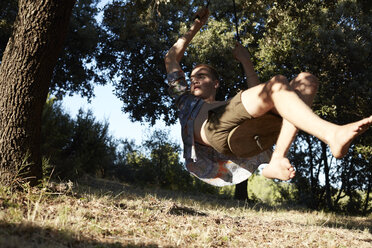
pixel 99 213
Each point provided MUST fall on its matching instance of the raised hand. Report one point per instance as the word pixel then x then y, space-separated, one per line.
pixel 240 53
pixel 201 16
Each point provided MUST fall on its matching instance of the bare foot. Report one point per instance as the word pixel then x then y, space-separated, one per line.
pixel 345 134
pixel 279 168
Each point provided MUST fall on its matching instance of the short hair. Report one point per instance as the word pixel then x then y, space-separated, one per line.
pixel 211 70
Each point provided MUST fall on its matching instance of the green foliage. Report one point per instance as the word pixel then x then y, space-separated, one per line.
pixel 349 178
pixel 75 71
pixel 57 131
pixel 261 189
pixel 138 38
pixel 332 39
pixel 7 17
pixel 133 52
pixel 92 149
pixel 75 147
pixel 156 162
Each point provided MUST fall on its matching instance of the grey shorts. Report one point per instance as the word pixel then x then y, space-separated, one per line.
pixel 222 120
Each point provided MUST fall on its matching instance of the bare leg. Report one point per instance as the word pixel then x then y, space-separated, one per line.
pixel 278 94
pixel 306 85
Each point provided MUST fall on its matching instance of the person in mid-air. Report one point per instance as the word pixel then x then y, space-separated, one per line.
pixel 207 123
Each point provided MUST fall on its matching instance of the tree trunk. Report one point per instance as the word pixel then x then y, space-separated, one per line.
pixel 365 208
pixel 313 182
pixel 241 191
pixel 25 73
pixel 326 174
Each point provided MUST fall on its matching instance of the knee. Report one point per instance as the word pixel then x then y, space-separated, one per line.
pixel 277 83
pixel 305 83
pixel 308 78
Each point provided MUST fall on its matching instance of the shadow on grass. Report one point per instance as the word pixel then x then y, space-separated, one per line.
pixel 104 187
pixel 101 187
pixel 352 225
pixel 28 235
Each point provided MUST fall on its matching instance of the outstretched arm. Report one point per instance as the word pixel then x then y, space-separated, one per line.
pixel 242 55
pixel 173 57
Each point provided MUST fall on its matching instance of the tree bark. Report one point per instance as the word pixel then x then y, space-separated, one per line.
pixel 326 174
pixel 313 183
pixel 365 208
pixel 25 73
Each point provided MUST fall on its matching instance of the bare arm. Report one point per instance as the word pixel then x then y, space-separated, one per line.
pixel 173 57
pixel 242 55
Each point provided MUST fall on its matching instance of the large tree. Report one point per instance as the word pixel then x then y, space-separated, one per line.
pixel 26 70
pixel 75 70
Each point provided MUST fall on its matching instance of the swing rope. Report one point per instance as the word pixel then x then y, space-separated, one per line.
pixel 235 19
pixel 236 23
pixel 236 26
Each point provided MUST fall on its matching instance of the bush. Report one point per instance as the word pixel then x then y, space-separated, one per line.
pixel 75 147
pixel 156 162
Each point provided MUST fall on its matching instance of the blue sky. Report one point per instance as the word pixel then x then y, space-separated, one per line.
pixel 107 107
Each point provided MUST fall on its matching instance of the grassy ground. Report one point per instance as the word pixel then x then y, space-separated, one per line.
pixel 100 213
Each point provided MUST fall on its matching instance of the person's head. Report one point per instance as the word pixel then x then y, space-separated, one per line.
pixel 204 82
